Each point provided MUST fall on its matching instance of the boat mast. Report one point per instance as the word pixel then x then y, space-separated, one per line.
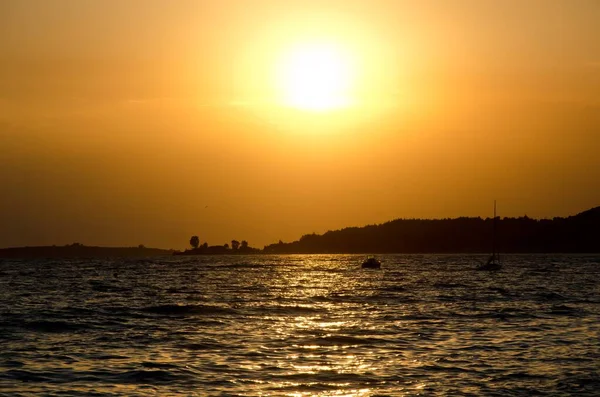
pixel 494 233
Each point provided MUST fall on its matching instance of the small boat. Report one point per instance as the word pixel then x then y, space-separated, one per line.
pixel 371 263
pixel 493 263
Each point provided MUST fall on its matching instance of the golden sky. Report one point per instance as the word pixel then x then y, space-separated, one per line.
pixel 147 121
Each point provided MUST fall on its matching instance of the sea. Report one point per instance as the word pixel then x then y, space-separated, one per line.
pixel 300 325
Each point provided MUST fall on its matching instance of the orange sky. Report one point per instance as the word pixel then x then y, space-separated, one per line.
pixel 147 121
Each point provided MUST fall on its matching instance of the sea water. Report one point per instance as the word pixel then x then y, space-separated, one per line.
pixel 300 325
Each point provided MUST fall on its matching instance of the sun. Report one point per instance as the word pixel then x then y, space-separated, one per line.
pixel 315 77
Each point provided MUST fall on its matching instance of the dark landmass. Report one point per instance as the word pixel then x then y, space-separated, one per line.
pixel 219 250
pixel 574 234
pixel 80 251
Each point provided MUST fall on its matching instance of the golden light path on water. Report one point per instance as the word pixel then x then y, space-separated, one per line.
pixel 332 352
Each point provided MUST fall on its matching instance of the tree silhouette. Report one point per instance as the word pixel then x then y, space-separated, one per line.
pixel 195 242
pixel 244 244
pixel 235 245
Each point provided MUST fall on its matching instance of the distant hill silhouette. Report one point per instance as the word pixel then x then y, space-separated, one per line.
pixel 575 234
pixel 80 251
pixel 579 233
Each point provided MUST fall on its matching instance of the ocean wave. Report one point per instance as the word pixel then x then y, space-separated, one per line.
pixel 137 376
pixel 102 286
pixel 244 265
pixel 288 310
pixel 13 364
pixel 449 285
pixel 503 314
pixel 153 364
pixel 323 379
pixel 23 376
pixel 54 326
pixel 310 386
pixel 394 288
pixel 550 296
pixel 188 310
pixel 580 383
pixel 149 377
pixel 202 346
pixel 565 310
pixel 183 290
pixel 344 340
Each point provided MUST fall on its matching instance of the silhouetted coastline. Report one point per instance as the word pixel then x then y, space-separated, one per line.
pixel 77 250
pixel 575 234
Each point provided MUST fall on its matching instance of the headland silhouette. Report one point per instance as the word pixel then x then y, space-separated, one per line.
pixel 77 250
pixel 574 234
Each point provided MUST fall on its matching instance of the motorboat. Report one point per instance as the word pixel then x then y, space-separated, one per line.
pixel 371 263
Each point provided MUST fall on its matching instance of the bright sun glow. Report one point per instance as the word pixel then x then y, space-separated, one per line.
pixel 316 77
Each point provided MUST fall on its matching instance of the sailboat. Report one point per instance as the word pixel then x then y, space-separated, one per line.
pixel 493 263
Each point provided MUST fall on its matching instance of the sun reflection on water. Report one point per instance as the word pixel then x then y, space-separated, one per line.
pixel 336 393
pixel 325 342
